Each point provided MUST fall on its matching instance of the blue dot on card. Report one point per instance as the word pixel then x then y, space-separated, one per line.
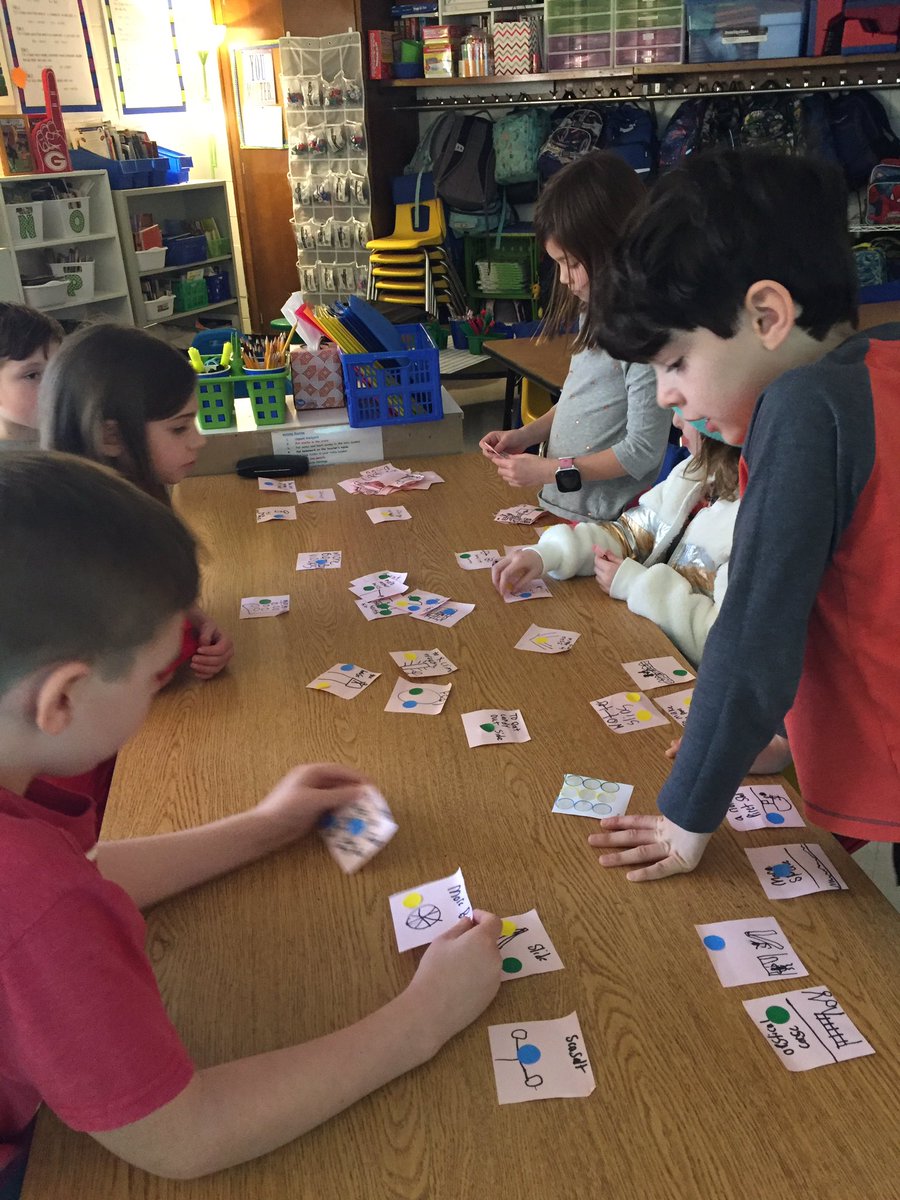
pixel 782 870
pixel 356 825
pixel 775 818
pixel 432 601
pixel 348 667
pixel 525 595
pixel 408 703
pixel 320 562
pixel 528 1054
pixel 413 608
pixel 447 612
pixel 713 942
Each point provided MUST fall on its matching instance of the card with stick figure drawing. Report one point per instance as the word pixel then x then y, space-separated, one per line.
pixel 264 606
pixel 316 496
pixel 346 680
pixel 379 584
pixel 447 614
pixel 379 515
pixel 547 641
pixel 490 727
pixel 277 485
pixel 807 1028
pixel 535 591
pixel 677 705
pixel 650 673
pixel 526 947
pixel 319 560
pixel 356 832
pixel 536 1060
pixel 422 664
pixel 627 711
pixel 589 796
pixel 422 913
pixel 427 699
pixel 763 806
pixel 795 870
pixel 417 602
pixel 374 610
pixel 477 560
pixel 275 514
pixel 750 951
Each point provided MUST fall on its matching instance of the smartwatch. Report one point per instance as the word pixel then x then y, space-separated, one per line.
pixel 568 477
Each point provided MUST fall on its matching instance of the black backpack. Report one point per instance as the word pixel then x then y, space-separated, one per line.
pixel 862 134
pixel 461 149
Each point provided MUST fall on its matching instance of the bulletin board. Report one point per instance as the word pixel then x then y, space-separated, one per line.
pixel 256 71
pixel 144 48
pixel 52 33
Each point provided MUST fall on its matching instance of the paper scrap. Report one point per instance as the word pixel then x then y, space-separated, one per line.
pixel 378 584
pixel 492 727
pixel 422 913
pixel 763 806
pixel 378 516
pixel 356 832
pixel 519 514
pixel 526 947
pixel 264 606
pixel 319 560
pixel 275 514
pixel 750 951
pixel 535 1060
pixel 650 673
pixel 385 479
pixel 316 496
pixel 276 485
pixel 422 664
pixel 423 698
pixel 627 711
pixel 535 591
pixel 346 680
pixel 677 705
pixel 477 560
pixel 795 870
pixel 590 796
pixel 807 1028
pixel 547 641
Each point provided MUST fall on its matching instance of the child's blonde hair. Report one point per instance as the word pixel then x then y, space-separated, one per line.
pixel 716 464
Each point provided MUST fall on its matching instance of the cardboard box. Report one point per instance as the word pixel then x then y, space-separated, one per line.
pixel 381 53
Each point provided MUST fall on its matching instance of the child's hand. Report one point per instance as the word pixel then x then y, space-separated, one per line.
pixel 674 747
pixel 605 566
pixel 499 442
pixel 459 975
pixel 514 572
pixel 215 650
pixel 664 846
pixel 294 805
pixel 526 470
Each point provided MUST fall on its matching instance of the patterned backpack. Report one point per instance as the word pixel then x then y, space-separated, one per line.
pixel 518 138
pixel 577 134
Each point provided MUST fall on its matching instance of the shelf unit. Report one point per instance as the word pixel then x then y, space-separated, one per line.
pixel 111 296
pixel 179 201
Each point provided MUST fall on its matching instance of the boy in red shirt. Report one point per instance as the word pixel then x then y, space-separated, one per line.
pixel 82 1025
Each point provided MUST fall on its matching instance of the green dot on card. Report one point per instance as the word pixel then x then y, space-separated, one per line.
pixel 777 1015
pixel 418 599
pixel 368 587
pixel 679 671
pixel 487 727
pixel 466 555
pixel 416 691
pixel 265 601
pixel 511 966
pixel 384 575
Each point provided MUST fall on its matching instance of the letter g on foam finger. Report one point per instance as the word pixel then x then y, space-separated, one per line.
pixel 654 845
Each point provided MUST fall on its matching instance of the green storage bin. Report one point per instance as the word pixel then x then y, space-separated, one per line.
pixel 267 390
pixel 569 26
pixel 215 400
pixel 217 246
pixel 190 293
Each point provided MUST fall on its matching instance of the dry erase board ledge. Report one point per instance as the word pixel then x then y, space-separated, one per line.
pixel 186 266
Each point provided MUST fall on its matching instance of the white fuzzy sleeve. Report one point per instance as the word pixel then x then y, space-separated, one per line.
pixel 568 550
pixel 666 598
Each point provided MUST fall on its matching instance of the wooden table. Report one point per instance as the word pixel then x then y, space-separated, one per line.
pixel 690 1102
pixel 546 362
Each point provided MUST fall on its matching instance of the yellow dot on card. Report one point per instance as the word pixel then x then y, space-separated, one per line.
pixel 643 715
pixel 385 512
pixel 409 656
pixel 323 684
pixel 413 900
pixel 507 928
pixel 687 702
pixel 541 641
pixel 632 697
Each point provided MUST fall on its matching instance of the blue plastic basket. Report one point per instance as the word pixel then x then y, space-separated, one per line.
pixel 394 387
pixel 178 166
pixel 127 173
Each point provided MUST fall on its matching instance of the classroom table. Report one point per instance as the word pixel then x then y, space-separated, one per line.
pixel 690 1102
pixel 546 361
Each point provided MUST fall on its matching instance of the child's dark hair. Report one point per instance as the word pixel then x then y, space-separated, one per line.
pixel 24 330
pixel 714 227
pixel 113 373
pixel 716 464
pixel 122 564
pixel 584 209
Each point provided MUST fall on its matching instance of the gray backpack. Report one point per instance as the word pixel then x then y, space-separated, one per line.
pixel 458 150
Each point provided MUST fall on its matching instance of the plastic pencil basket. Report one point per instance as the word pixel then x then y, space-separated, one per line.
pixel 394 387
pixel 215 400
pixel 266 390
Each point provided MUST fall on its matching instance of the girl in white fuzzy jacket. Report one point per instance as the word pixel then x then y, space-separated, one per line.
pixel 667 557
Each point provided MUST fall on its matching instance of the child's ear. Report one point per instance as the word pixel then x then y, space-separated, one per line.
pixel 112 442
pixel 53 707
pixel 771 310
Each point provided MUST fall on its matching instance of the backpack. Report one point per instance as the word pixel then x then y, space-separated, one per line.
pixel 630 132
pixel 518 138
pixel 722 122
pixel 862 134
pixel 812 127
pixel 769 124
pixel 458 152
pixel 577 134
pixel 683 134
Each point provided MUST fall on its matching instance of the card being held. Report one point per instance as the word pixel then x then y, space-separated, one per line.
pixel 346 680
pixel 678 705
pixel 316 496
pixel 421 664
pixel 422 913
pixel 277 485
pixel 379 515
pixel 650 673
pixel 807 1028
pixel 547 641
pixel 763 807
pixel 526 948
pixel 754 951
pixel 535 591
pixel 264 606
pixel 519 514
pixel 627 711
pixel 319 560
pixel 477 560
pixel 276 514
pixel 491 728
pixel 796 870
pixel 586 796
pixel 535 1060
pixel 356 832
pixel 424 698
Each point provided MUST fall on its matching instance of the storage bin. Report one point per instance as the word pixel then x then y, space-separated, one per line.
pixel 188 249
pixel 215 400
pixel 593 59
pixel 726 32
pixel 267 391
pixel 130 173
pixel 153 259
pixel 67 218
pixel 636 55
pixel 46 295
pixel 218 287
pixel 217 246
pixel 394 387
pixel 162 306
pixel 78 276
pixel 178 166
pixel 189 293
pixel 26 222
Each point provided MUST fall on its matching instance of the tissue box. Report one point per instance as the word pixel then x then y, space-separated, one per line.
pixel 317 378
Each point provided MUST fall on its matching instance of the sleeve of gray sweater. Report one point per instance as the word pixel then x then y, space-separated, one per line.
pixel 640 451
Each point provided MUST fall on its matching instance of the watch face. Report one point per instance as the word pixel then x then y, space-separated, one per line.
pixel 568 479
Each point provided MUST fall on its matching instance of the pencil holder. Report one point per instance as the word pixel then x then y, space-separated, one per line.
pixel 476 342
pixel 267 390
pixel 215 399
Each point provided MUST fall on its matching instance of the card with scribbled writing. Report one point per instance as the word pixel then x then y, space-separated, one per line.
pixel 493 727
pixel 677 705
pixel 356 832
pixel 264 606
pixel 316 496
pixel 319 560
pixel 448 614
pixel 346 680
pixel 750 951
pixel 422 664
pixel 536 1060
pixel 763 806
pixel 277 485
pixel 807 1028
pixel 424 699
pixel 477 560
pixel 537 590
pixel 526 947
pixel 379 584
pixel 275 514
pixel 417 602
pixel 796 870
pixel 519 514
pixel 379 515
pixel 627 711
pixel 589 796
pixel 422 913
pixel 547 641
pixel 650 673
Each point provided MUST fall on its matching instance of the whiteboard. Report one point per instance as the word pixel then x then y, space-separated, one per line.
pixel 145 56
pixel 52 33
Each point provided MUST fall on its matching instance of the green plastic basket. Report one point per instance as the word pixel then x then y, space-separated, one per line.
pixel 215 400
pixel 190 293
pixel 267 390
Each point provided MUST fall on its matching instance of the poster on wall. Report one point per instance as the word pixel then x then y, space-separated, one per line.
pixel 52 33
pixel 258 103
pixel 144 51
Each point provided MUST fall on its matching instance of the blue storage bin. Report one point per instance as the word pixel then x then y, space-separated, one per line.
pixel 183 250
pixel 130 173
pixel 725 31
pixel 394 387
pixel 178 166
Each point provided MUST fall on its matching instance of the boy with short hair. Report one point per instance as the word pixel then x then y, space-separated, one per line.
pixel 738 284
pixel 82 1025
pixel 28 340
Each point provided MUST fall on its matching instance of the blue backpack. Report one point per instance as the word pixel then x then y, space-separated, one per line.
pixel 683 135
pixel 630 132
pixel 577 134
